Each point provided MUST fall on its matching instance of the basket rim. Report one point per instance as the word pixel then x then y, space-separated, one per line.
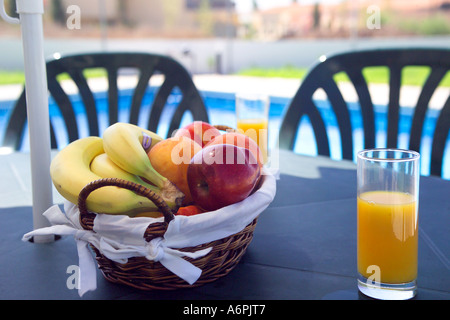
pixel 157 227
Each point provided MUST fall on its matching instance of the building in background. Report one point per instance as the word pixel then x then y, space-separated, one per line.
pixel 349 18
pixel 212 36
pixel 155 18
pixel 219 19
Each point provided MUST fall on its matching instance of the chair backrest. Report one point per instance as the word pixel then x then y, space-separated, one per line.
pixel 353 63
pixel 147 65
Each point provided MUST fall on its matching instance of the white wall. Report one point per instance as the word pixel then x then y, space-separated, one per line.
pixel 236 54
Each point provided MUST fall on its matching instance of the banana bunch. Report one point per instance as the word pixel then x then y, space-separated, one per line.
pixel 121 153
pixel 103 166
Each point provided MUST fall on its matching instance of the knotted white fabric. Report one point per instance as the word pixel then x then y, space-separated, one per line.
pixel 119 237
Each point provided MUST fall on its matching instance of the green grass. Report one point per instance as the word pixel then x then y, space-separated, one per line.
pixel 414 76
pixel 11 77
pixel 88 73
pixel 284 72
pixel 410 75
pixel 18 77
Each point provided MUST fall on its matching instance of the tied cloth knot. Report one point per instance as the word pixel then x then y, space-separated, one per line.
pixel 156 250
pixel 83 235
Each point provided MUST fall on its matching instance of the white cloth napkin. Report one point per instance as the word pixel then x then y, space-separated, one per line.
pixel 119 237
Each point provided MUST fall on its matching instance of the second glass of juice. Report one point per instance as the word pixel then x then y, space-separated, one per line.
pixel 252 114
pixel 387 222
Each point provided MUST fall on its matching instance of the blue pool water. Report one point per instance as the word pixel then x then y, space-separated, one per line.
pixel 221 110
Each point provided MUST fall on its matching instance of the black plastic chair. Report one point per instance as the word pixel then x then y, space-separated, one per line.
pixel 352 63
pixel 175 76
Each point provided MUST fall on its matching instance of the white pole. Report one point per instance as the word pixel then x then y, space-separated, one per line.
pixel 103 24
pixel 30 16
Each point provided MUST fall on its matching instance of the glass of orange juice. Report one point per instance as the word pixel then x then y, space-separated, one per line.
pixel 252 114
pixel 387 222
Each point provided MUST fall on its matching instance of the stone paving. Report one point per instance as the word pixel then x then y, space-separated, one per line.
pixel 275 87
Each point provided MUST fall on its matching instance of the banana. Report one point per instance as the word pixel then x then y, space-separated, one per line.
pixel 123 143
pixel 70 172
pixel 103 166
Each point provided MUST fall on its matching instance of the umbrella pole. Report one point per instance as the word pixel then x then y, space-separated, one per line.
pixel 30 16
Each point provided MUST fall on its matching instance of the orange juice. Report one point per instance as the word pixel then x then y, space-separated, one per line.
pixel 257 130
pixel 387 236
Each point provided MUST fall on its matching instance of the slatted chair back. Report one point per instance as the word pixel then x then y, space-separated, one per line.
pixel 175 76
pixel 353 63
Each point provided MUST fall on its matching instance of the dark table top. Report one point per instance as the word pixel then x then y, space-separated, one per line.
pixel 304 246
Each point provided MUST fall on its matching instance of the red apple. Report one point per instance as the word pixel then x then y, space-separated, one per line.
pixel 220 175
pixel 239 140
pixel 199 131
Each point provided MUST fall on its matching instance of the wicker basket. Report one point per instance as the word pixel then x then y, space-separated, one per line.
pixel 144 274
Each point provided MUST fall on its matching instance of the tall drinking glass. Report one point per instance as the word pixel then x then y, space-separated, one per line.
pixel 387 222
pixel 252 113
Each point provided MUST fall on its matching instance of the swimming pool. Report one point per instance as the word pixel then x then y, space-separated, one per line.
pixel 221 110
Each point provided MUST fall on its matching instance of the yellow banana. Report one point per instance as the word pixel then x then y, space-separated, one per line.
pixel 70 172
pixel 104 167
pixel 123 143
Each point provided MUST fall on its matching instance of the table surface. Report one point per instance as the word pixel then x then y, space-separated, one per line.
pixel 304 244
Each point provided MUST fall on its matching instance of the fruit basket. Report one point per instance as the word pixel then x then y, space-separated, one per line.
pixel 223 253
pixel 113 185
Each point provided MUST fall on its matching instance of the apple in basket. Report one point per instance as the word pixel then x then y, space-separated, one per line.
pixel 222 174
pixel 199 131
pixel 239 140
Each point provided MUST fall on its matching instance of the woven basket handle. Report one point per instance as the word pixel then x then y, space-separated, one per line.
pixel 136 188
pixel 224 128
pixel 87 218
